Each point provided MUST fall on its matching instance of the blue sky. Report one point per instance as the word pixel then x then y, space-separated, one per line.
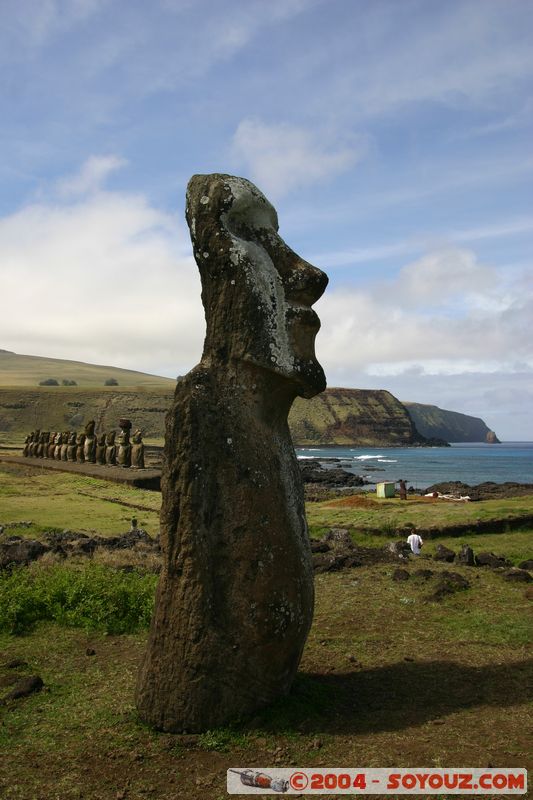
pixel 394 138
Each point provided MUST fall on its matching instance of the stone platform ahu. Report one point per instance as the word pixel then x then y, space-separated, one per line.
pixel 235 598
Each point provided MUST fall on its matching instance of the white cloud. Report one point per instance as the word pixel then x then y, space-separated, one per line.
pixel 281 157
pixel 106 279
pixel 445 308
pixel 91 176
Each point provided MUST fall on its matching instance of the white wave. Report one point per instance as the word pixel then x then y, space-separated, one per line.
pixel 367 458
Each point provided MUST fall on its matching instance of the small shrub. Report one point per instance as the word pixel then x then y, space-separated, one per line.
pixel 94 598
pixel 49 382
pixel 111 382
pixel 68 382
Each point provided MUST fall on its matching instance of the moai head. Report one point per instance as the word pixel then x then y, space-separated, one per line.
pixel 110 438
pixel 102 439
pixel 72 438
pixel 256 291
pixel 137 437
pixel 89 428
pixel 81 438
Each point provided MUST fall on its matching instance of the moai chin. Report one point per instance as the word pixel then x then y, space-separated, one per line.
pixel 235 598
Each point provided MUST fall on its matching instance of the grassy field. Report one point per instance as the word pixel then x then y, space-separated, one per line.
pixel 387 515
pixel 57 500
pixel 388 677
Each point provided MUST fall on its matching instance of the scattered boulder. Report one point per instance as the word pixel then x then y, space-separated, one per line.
pixel 400 575
pixel 127 540
pixel 448 583
pixel 491 560
pixel 339 537
pixel 25 687
pixel 517 576
pixel 466 556
pixel 528 564
pixel 399 549
pixel 443 553
pixel 313 472
pixel 20 552
pixel 333 562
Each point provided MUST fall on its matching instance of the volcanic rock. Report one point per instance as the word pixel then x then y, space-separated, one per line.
pixel 491 560
pixel 235 598
pixel 443 553
pixel 20 552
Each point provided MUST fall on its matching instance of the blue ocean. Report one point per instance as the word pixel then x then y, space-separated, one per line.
pixel 422 466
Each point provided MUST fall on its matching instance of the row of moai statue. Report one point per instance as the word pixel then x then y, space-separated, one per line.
pixel 104 448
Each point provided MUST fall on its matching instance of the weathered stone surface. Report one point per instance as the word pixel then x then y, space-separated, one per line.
pixel 137 451
pixel 491 560
pixel 89 444
pixel 449 583
pixel 443 553
pixel 517 576
pixel 339 537
pixel 527 564
pixel 25 687
pixel 100 449
pixel 466 556
pixel 20 551
pixel 313 472
pixel 400 575
pixel 399 549
pixel 111 449
pixel 235 599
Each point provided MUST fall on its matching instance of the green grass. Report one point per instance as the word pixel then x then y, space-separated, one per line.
pixel 387 679
pixel 388 515
pixel 57 500
pixel 92 597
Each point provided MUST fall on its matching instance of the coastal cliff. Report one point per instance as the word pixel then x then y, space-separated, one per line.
pixel 358 417
pixel 449 425
pixel 364 417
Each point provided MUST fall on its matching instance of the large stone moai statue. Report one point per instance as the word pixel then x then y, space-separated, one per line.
pixel 137 450
pixel 59 444
pixel 235 598
pixel 100 448
pixel 64 445
pixel 111 449
pixel 80 448
pixel 89 444
pixel 27 443
pixel 124 446
pixel 72 447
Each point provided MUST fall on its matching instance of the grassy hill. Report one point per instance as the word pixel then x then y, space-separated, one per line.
pixel 21 370
pixel 364 417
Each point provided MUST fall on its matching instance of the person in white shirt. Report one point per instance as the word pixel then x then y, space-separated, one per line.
pixel 415 543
